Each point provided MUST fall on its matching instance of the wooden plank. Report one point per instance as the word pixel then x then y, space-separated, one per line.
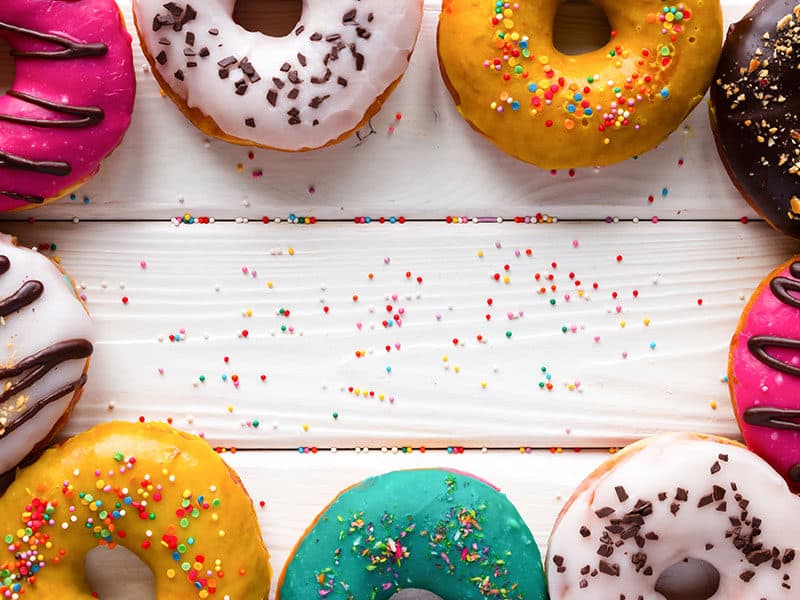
pixel 194 285
pixel 297 487
pixel 432 166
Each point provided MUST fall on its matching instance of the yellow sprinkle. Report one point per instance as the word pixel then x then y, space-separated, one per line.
pixel 240 167
pixel 269 284
pixel 646 322
pixel 100 484
pixel 230 408
pixel 249 313
pixel 580 293
pixel 713 405
pixel 291 251
pixel 221 533
pixel 506 279
pixel 203 594
pixel 521 450
pixel 480 253
pixel 613 450
pixel 445 359
pixel 171 573
pixel 544 59
pixel 622 324
pixel 457 369
pixel 381 397
pixel 305 427
pixel 559 450
pixel 57 259
pixel 606 141
pixel 483 384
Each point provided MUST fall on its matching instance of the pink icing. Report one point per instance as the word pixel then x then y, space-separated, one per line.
pixel 755 384
pixel 107 82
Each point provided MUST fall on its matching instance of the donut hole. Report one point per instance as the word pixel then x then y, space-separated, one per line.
pixel 119 574
pixel 691 578
pixel 6 66
pixel 275 18
pixel 415 594
pixel 580 27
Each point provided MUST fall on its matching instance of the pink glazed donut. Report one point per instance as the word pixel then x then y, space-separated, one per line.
pixel 764 371
pixel 72 97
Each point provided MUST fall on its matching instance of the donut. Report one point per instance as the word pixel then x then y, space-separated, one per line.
pixel 559 111
pixel 45 345
pixel 72 97
pixel 440 531
pixel 309 89
pixel 764 371
pixel 164 495
pixel 755 111
pixel 677 517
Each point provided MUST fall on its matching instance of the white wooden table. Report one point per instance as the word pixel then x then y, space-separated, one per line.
pixel 470 362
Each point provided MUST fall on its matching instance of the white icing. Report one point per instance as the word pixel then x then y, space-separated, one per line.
pixel 55 317
pixel 392 34
pixel 662 465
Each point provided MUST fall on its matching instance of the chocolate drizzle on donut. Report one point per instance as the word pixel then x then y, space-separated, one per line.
pixel 756 101
pixel 758 344
pixel 86 116
pixel 69 48
pixel 32 368
pixel 776 418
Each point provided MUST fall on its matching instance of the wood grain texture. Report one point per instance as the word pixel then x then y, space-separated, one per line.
pixel 297 487
pixel 432 166
pixel 622 388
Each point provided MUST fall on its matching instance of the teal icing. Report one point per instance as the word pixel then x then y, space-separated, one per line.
pixel 436 530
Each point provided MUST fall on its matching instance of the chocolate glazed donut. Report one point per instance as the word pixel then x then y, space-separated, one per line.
pixel 755 111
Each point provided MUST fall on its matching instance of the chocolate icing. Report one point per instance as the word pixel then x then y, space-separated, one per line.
pixel 69 48
pixel 758 344
pixel 781 286
pixel 87 116
pixel 756 99
pixel 32 368
pixel 776 418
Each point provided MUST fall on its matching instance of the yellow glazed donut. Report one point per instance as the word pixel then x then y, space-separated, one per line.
pixel 559 111
pixel 162 494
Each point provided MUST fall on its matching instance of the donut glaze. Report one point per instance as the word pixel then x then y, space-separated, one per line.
pixel 764 371
pixel 755 111
pixel 558 111
pixel 303 91
pixel 677 517
pixel 45 343
pixel 435 530
pixel 164 495
pixel 72 97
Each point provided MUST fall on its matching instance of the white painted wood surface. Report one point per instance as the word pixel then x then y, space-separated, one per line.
pixel 194 286
pixel 431 167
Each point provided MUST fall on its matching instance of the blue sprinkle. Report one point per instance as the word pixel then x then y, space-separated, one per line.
pixel 532 87
pixel 664 192
pixel 367 219
pixel 588 112
pixel 224 378
pixel 577 97
pixel 392 220
pixel 652 345
pixel 515 105
pixel 570 108
pixel 664 93
pixel 388 369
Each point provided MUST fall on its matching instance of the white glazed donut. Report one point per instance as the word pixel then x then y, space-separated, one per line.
pixel 45 344
pixel 306 90
pixel 677 517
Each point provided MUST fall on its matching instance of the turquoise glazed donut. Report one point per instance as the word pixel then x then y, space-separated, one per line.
pixel 436 530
